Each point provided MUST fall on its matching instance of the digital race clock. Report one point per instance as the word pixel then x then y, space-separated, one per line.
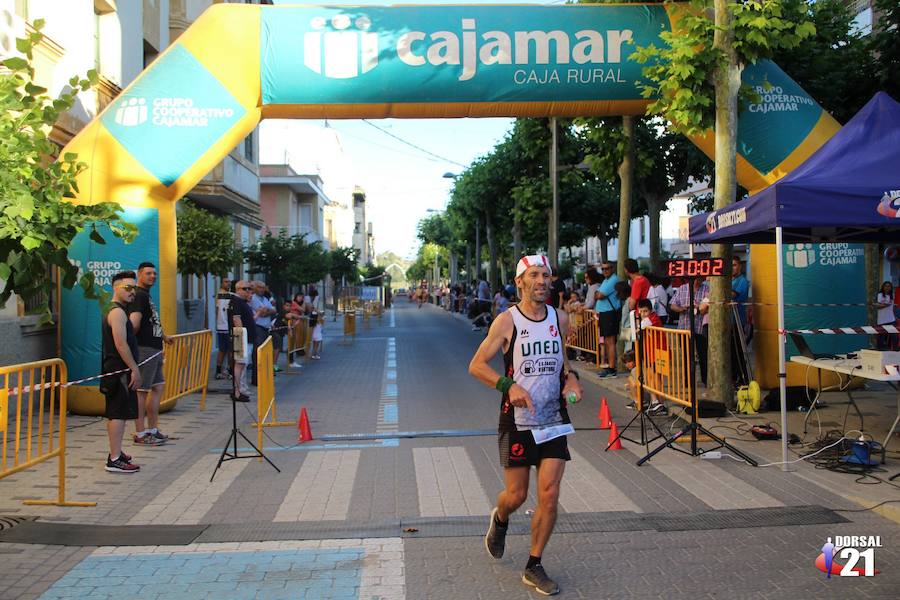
pixel 696 267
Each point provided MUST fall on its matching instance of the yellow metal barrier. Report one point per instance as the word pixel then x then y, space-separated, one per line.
pixel 584 333
pixel 665 363
pixel 350 325
pixel 186 366
pixel 266 415
pixel 299 339
pixel 34 430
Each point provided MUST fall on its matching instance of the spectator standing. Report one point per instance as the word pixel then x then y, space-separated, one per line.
pixel 557 289
pixel 119 349
pixel 223 341
pixel 681 305
pixel 740 295
pixel 640 285
pixel 626 332
pixel 593 279
pixel 315 326
pixel 279 328
pixel 884 302
pixel 658 297
pixel 608 308
pixel 263 311
pixel 503 301
pixel 740 290
pixel 150 338
pixel 241 315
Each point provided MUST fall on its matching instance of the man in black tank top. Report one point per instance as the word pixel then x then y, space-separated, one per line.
pixel 119 351
pixel 533 425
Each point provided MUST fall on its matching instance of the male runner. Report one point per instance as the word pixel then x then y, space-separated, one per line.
pixel 533 416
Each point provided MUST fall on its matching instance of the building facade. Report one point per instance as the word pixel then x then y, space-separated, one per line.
pixel 119 38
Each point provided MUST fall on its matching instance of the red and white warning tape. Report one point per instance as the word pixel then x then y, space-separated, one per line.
pixel 46 386
pixel 864 329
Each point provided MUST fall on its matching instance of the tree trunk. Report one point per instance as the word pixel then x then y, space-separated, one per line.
pixel 654 207
pixel 604 251
pixel 728 82
pixel 454 267
pixel 468 262
pixel 492 252
pixel 626 183
pixel 478 248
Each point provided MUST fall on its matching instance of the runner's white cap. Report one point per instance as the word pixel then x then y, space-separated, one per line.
pixel 535 260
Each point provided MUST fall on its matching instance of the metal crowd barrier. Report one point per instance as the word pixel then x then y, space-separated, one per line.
pixel 266 415
pixel 34 430
pixel 349 326
pixel 299 338
pixel 584 333
pixel 665 364
pixel 186 366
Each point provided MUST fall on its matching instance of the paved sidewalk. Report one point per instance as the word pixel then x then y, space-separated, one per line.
pixel 399 512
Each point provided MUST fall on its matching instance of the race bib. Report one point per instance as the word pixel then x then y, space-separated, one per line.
pixel 549 433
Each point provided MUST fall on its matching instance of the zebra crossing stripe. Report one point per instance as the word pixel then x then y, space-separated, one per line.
pixel 448 484
pixel 322 488
pixel 187 499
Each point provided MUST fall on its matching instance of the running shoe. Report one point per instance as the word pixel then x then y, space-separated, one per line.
pixel 125 457
pixel 220 375
pixel 632 405
pixel 657 410
pixel 120 466
pixel 607 373
pixel 537 578
pixel 296 365
pixel 147 440
pixel 495 538
pixel 160 435
pixel 277 369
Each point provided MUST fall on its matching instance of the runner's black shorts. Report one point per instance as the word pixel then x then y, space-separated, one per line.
pixel 609 322
pixel 121 401
pixel 517 449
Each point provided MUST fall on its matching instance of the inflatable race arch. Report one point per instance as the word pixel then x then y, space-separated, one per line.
pixel 238 64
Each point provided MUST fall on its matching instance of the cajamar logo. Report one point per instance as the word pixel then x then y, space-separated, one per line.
pixel 341 53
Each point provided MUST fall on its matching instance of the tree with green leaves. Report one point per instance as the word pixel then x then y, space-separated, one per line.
pixel 38 220
pixel 695 81
pixel 343 269
pixel 205 244
pixel 287 261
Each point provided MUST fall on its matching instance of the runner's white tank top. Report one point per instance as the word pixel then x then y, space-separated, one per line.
pixel 534 360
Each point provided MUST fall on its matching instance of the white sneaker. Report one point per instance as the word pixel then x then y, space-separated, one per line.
pixel 296 365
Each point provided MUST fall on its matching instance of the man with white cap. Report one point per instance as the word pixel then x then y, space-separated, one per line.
pixel 534 422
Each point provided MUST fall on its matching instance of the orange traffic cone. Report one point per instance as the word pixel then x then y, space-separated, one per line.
pixel 614 443
pixel 603 415
pixel 303 427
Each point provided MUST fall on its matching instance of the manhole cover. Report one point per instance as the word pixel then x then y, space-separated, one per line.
pixel 10 522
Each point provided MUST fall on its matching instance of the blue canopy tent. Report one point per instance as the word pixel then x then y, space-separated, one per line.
pixel 847 191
